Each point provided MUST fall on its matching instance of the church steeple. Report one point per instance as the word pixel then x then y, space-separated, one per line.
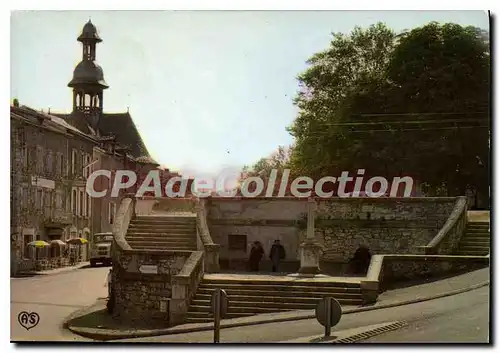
pixel 88 78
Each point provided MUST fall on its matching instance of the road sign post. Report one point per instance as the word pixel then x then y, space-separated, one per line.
pixel 219 309
pixel 328 314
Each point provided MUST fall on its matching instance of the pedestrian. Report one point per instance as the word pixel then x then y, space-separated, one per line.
pixel 256 254
pixel 111 297
pixel 361 260
pixel 277 254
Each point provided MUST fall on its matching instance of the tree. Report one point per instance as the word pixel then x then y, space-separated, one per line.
pixel 397 104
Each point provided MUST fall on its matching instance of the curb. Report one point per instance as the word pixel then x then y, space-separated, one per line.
pixel 42 273
pixel 106 335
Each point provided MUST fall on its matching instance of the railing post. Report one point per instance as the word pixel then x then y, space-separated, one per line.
pixel 134 202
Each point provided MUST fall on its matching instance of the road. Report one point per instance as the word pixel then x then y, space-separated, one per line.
pixel 54 297
pixel 459 318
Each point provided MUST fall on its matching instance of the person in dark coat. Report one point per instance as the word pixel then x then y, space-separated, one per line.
pixel 361 260
pixel 256 254
pixel 277 254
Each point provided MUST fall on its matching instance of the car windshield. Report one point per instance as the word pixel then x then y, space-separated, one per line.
pixel 100 238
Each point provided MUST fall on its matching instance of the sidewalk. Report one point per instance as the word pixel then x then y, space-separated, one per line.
pixel 83 322
pixel 54 271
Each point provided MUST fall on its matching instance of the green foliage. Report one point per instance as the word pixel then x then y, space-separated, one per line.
pixel 381 102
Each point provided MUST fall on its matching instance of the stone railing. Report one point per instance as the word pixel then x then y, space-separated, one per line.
pixel 184 286
pixel 446 240
pixel 204 240
pixel 385 269
pixel 152 285
pixel 169 204
pixel 125 213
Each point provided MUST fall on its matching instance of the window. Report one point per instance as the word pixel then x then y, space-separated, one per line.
pixel 49 166
pixel 80 203
pixel 39 199
pixel 25 198
pixel 111 212
pixel 62 167
pixel 59 199
pixel 87 196
pixel 39 160
pixel 24 156
pixel 73 162
pixel 27 251
pixel 237 242
pixel 73 202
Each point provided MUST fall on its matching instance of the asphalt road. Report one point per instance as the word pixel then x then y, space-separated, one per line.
pixel 54 297
pixel 459 318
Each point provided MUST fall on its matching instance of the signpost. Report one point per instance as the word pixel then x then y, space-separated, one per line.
pixel 328 314
pixel 148 269
pixel 220 304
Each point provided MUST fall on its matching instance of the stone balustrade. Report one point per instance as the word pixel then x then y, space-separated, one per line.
pixel 448 237
pixel 385 269
pixel 205 242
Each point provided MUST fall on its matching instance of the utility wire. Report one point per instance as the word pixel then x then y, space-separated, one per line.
pixel 398 130
pixel 403 122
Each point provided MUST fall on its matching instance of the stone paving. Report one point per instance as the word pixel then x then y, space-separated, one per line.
pixel 243 277
pixel 478 216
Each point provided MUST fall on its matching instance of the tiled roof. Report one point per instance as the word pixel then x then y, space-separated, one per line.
pixel 120 125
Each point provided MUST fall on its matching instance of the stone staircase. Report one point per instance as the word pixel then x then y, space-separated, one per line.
pixel 251 297
pixel 162 233
pixel 476 240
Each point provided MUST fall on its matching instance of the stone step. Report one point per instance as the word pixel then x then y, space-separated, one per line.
pixel 166 220
pixel 161 234
pixel 256 302
pixel 190 240
pixel 313 292
pixel 304 297
pixel 474 238
pixel 267 284
pixel 168 229
pixel 238 309
pixel 478 241
pixel 208 317
pixel 172 248
pixel 484 227
pixel 134 243
pixel 473 252
pixel 477 231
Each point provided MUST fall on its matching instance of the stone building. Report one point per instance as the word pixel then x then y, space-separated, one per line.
pixel 48 199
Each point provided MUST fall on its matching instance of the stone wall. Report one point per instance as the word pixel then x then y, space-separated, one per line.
pixel 145 295
pixel 385 225
pixel 260 219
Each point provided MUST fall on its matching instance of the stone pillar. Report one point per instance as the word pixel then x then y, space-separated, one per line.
pixel 212 258
pixel 179 303
pixel 310 249
pixel 134 202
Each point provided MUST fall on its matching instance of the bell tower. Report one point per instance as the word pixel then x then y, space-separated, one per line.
pixel 88 79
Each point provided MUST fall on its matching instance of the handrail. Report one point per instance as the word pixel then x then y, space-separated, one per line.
pixel 459 212
pixel 123 217
pixel 201 223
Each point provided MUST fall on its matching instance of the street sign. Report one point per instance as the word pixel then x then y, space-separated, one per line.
pixel 224 302
pixel 219 303
pixel 148 269
pixel 328 313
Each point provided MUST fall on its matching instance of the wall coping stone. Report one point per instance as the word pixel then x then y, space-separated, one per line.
pixel 336 199
pixel 458 211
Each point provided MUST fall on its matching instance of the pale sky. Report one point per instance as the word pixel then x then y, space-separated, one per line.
pixel 206 89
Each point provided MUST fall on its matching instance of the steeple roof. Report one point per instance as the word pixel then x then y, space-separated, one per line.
pixel 89 33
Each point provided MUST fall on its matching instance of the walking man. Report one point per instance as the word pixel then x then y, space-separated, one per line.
pixel 255 256
pixel 277 254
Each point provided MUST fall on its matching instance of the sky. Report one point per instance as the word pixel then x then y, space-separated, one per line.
pixel 207 89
